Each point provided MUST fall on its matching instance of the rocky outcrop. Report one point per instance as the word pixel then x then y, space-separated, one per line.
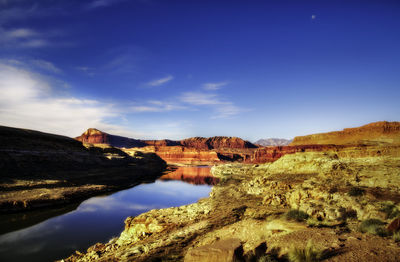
pixel 164 142
pixel 180 155
pixel 374 133
pixel 192 151
pixel 228 250
pixel 336 192
pixel 273 153
pixel 273 142
pixel 216 142
pixel 95 136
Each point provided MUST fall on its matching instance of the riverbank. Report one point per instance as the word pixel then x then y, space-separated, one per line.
pixel 267 210
pixel 39 170
pixel 97 219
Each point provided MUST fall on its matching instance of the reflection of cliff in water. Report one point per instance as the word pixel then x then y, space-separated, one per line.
pixel 193 175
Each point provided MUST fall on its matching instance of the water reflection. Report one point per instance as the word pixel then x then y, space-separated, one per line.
pixel 97 219
pixel 196 175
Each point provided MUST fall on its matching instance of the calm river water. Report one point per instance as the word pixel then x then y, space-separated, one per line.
pixel 98 219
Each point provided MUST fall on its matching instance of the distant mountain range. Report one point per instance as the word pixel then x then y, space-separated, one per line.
pixel 273 142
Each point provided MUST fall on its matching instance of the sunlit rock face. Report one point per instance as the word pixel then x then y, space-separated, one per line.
pixel 192 175
pixel 216 142
pixel 180 154
pixel 370 140
pixel 95 136
pixel 191 151
pixel 378 132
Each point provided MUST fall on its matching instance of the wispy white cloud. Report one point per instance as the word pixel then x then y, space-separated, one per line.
pixel 21 33
pixel 156 106
pixel 31 100
pixel 200 98
pixel 28 100
pixel 27 38
pixel 222 107
pixel 160 81
pixel 102 3
pixel 86 70
pixel 228 110
pixel 46 65
pixel 214 86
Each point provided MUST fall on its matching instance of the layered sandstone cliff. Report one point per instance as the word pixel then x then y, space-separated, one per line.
pixel 373 133
pixel 180 155
pixel 192 151
pixel 95 136
pixel 216 142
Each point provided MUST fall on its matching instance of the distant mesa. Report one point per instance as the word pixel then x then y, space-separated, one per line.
pixel 273 142
pixel 216 142
pixel 212 150
pixel 95 136
pixel 374 133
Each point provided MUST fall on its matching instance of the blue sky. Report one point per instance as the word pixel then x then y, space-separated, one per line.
pixel 176 69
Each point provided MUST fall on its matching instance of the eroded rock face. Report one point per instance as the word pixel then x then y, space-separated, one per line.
pixel 180 154
pixel 378 132
pixel 216 142
pixel 95 136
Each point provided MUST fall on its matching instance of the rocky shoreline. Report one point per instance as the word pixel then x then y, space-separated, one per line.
pixel 265 211
pixel 39 170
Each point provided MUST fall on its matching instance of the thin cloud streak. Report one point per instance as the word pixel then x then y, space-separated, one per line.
pixel 222 108
pixel 214 86
pixel 156 106
pixel 46 65
pixel 29 38
pixel 102 3
pixel 161 81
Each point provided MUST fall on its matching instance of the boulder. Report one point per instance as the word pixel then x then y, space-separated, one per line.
pixel 227 250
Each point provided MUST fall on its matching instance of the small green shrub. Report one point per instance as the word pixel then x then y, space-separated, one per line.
pixel 267 258
pixel 390 210
pixel 396 236
pixel 295 214
pixel 308 254
pixel 373 226
pixel 312 222
pixel 356 191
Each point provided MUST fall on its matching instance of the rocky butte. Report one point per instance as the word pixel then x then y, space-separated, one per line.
pixel 335 199
pixel 191 151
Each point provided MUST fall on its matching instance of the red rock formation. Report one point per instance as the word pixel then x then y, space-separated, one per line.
pixel 180 154
pixel 216 142
pixel 272 153
pixel 378 132
pixel 164 142
pixel 95 136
